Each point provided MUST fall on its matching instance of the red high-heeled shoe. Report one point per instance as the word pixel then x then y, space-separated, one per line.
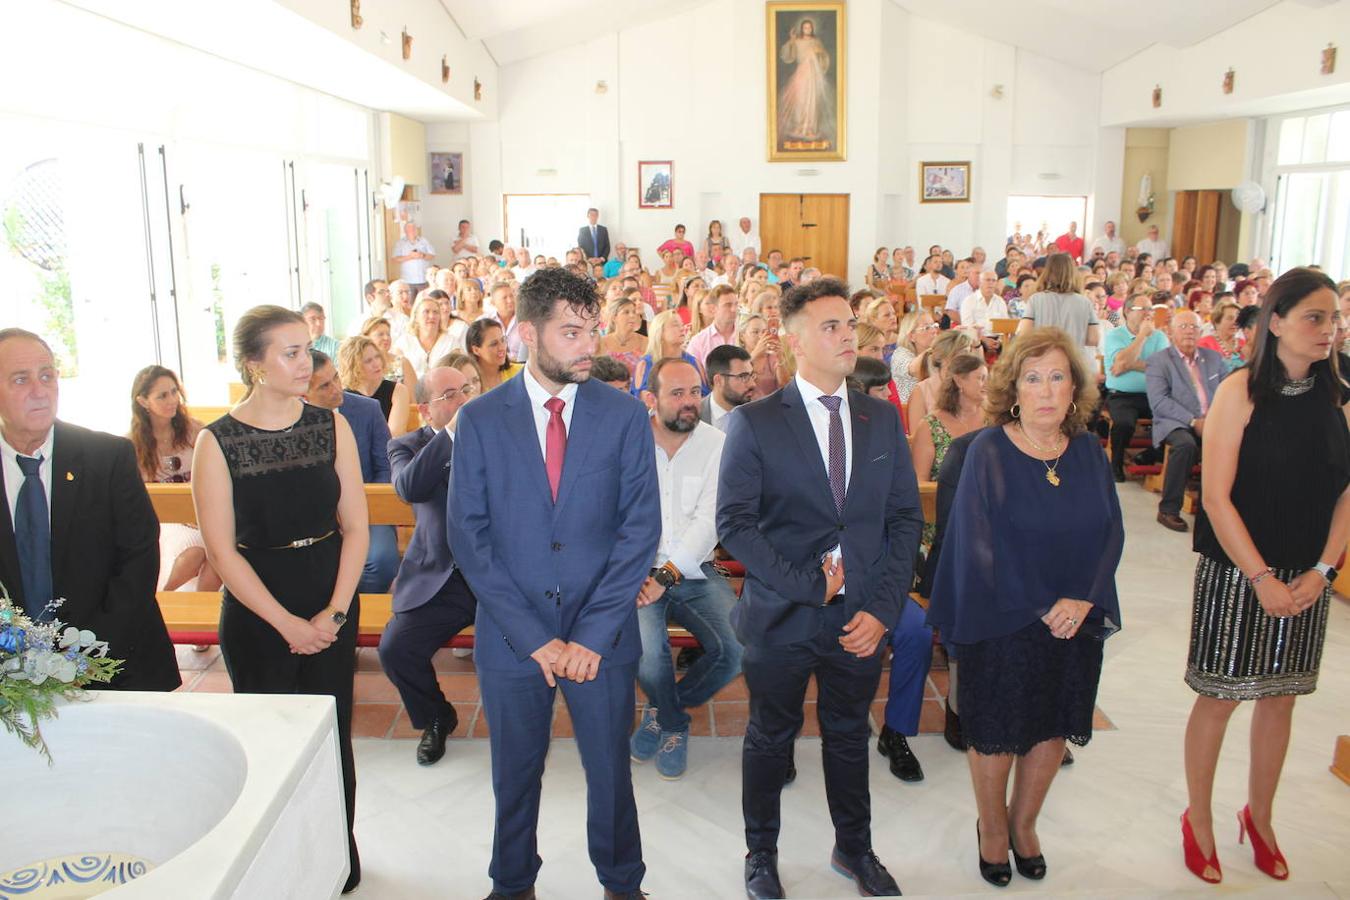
pixel 1195 860
pixel 1266 857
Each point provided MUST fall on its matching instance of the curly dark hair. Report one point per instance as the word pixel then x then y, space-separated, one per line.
pixel 797 298
pixel 1001 388
pixel 542 291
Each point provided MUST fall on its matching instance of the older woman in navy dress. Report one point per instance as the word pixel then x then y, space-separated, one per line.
pixel 1025 590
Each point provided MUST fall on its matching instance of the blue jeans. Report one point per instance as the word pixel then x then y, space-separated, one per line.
pixel 704 607
pixel 911 657
pixel 381 561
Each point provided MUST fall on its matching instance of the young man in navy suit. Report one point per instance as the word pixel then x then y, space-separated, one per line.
pixel 432 602
pixel 555 517
pixel 817 498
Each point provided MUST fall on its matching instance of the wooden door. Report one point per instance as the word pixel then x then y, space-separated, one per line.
pixel 812 226
pixel 1195 225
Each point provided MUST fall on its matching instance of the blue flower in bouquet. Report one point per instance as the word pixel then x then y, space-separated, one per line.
pixel 12 640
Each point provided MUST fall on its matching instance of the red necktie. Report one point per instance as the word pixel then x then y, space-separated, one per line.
pixel 555 442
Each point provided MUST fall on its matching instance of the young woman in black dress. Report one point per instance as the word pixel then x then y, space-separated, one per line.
pixel 1275 520
pixel 277 489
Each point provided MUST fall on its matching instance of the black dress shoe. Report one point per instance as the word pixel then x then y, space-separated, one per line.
pixel 1032 867
pixel 527 894
pixel 761 875
pixel 432 745
pixel 867 873
pixel 791 774
pixel 1068 758
pixel 998 874
pixel 623 895
pixel 1119 475
pixel 904 764
pixel 951 731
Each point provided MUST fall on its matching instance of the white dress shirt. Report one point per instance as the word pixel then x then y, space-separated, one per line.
pixel 976 311
pixel 410 348
pixel 688 482
pixel 931 284
pixel 538 397
pixel 1155 249
pixel 470 247
pixel 14 476
pixel 742 239
pixel 958 295
pixel 398 323
pixel 718 414
pixel 820 424
pixel 1109 244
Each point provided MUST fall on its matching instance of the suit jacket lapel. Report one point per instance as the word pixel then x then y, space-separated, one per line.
pixel 9 551
pixel 580 439
pixel 862 431
pixel 67 469
pixel 520 423
pixel 799 422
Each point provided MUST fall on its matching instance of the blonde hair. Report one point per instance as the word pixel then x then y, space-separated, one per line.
pixel 696 298
pixel 867 333
pixel 871 310
pixel 904 335
pixel 949 344
pixel 1216 314
pixel 1001 388
pixel 416 325
pixel 614 308
pixel 349 359
pixel 655 329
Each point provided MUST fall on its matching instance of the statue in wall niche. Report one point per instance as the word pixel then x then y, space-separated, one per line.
pixel 1329 59
pixel 407 44
pixel 445 70
pixel 477 89
pixel 357 21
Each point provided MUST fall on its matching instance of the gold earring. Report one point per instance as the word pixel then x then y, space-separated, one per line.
pixel 260 377
pixel 1015 411
pixel 1073 408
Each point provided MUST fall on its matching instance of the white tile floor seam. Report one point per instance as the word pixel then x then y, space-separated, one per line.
pixel 1109 828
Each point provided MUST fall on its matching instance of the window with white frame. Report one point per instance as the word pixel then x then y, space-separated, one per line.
pixel 1311 210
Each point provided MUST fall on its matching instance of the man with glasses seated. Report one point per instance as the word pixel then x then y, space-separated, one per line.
pixel 733 384
pixel 432 601
pixel 1124 354
pixel 1181 384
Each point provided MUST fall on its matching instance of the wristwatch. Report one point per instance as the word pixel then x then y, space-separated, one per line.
pixel 339 617
pixel 663 576
pixel 1327 571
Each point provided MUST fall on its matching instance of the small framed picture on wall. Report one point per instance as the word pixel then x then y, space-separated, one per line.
pixel 944 182
pixel 447 173
pixel 656 186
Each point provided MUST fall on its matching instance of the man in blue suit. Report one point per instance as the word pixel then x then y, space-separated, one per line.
pixel 1181 383
pixel 554 518
pixel 816 480
pixel 593 238
pixel 371 431
pixel 432 602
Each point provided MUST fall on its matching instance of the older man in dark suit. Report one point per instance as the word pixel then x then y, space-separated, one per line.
pixel 78 524
pixel 593 238
pixel 1181 383
pixel 432 602
pixel 816 480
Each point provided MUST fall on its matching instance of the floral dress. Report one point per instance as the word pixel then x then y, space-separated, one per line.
pixel 942 439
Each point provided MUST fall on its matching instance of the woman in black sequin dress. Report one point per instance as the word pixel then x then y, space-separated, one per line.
pixel 1275 521
pixel 277 488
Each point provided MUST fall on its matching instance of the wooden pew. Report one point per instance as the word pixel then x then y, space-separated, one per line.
pixel 1005 327
pixel 207 414
pixel 173 503
pixel 934 303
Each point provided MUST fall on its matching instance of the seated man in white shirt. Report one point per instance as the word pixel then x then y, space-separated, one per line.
pixel 732 381
pixel 962 289
pixel 932 281
pixel 683 585
pixel 982 305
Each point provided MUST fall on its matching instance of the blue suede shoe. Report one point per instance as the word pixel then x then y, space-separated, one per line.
pixel 642 746
pixel 673 757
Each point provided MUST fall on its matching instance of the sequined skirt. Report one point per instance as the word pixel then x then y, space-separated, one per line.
pixel 1240 652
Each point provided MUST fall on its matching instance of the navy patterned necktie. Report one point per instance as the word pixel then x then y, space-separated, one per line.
pixel 33 538
pixel 836 451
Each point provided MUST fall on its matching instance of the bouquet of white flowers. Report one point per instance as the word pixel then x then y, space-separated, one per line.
pixel 41 661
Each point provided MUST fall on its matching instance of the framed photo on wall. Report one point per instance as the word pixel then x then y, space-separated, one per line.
pixel 447 173
pixel 806 49
pixel 944 182
pixel 656 185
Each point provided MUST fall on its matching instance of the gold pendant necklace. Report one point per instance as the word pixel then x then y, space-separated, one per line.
pixel 1051 475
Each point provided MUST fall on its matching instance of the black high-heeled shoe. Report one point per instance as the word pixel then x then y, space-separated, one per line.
pixel 998 874
pixel 1032 867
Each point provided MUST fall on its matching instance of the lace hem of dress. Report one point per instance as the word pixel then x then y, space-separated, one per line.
pixel 1080 740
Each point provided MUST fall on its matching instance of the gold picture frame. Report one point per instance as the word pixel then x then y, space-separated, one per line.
pixel 944 182
pixel 804 123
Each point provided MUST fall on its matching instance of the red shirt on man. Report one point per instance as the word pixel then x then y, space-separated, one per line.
pixel 1071 244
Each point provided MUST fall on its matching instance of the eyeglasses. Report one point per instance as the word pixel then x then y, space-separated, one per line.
pixel 742 377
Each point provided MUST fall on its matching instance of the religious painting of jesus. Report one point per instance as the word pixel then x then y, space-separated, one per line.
pixel 806 54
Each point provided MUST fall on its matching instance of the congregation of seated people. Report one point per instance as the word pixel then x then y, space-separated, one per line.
pixel 695 329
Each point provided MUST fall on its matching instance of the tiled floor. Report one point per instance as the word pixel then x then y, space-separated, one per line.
pixel 1109 827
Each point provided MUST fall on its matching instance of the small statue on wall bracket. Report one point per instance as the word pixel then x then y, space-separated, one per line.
pixel 357 21
pixel 445 70
pixel 1157 96
pixel 477 89
pixel 1228 81
pixel 407 44
pixel 1329 59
